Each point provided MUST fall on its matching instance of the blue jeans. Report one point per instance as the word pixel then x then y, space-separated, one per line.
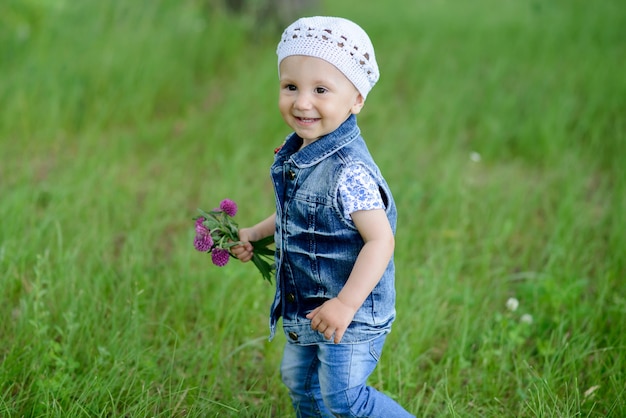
pixel 329 380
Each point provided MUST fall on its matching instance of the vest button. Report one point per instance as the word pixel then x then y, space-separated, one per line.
pixel 293 336
pixel 291 298
pixel 292 175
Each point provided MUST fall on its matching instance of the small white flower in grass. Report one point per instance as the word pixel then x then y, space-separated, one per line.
pixel 590 391
pixel 475 157
pixel 526 319
pixel 512 304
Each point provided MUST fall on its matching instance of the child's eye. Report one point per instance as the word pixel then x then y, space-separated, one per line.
pixel 290 87
pixel 320 90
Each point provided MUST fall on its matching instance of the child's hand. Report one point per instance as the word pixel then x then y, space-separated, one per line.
pixel 263 229
pixel 244 251
pixel 332 317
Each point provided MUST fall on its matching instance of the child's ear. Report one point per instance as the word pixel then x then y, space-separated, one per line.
pixel 358 104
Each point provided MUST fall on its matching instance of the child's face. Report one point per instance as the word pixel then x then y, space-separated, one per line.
pixel 315 97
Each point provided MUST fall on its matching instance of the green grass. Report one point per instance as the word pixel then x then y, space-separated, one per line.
pixel 499 126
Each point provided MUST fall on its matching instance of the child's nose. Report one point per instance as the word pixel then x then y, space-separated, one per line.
pixel 303 101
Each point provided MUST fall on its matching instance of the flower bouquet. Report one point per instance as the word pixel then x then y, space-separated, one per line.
pixel 217 232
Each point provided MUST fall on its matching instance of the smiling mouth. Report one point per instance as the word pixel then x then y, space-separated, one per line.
pixel 307 120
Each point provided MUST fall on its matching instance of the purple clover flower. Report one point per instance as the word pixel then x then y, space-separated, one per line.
pixel 229 207
pixel 203 242
pixel 200 228
pixel 220 257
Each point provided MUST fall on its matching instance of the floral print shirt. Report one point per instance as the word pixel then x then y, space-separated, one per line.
pixel 358 191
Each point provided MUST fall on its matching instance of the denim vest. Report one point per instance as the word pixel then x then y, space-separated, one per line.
pixel 316 246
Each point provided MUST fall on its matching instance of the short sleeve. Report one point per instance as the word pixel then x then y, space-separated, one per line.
pixel 358 191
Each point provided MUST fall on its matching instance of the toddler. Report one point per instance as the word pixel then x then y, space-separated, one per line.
pixel 333 226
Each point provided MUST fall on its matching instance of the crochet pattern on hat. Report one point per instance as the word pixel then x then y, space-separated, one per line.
pixel 342 43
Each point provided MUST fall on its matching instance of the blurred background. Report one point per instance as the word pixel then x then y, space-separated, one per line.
pixel 499 126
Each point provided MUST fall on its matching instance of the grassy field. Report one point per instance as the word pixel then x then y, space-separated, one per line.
pixel 500 126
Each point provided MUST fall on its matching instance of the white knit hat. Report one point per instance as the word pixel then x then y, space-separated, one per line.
pixel 338 41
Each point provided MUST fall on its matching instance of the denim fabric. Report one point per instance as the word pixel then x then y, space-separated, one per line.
pixel 316 246
pixel 329 380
